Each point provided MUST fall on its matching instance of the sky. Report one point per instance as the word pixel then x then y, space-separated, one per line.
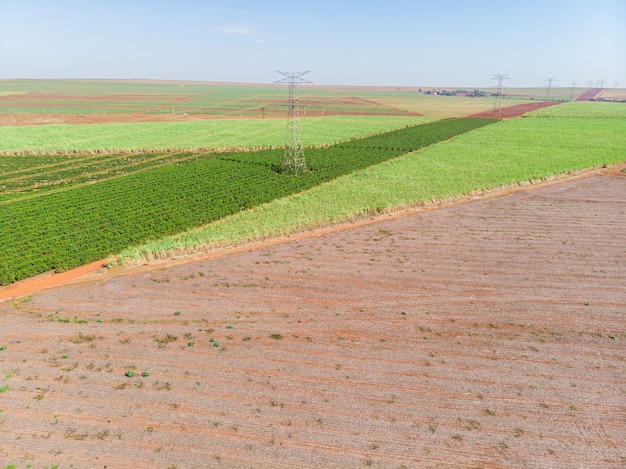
pixel 447 43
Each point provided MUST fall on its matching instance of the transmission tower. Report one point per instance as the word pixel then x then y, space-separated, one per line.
pixel 571 95
pixel 293 155
pixel 501 78
pixel 549 89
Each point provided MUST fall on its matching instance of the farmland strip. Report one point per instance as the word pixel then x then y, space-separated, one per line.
pixel 66 229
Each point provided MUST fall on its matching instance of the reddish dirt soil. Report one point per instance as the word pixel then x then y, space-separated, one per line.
pixel 488 334
pixel 46 119
pixel 514 111
pixel 591 93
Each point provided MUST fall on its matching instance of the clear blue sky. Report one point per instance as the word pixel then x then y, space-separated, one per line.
pixel 450 43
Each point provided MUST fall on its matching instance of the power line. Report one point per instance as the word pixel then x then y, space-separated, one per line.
pixel 293 154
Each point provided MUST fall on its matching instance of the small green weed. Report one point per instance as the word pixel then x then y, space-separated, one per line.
pixel 129 374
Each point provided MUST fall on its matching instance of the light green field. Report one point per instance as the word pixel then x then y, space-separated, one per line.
pixel 208 134
pixel 508 152
pixel 583 109
pixel 113 87
pixel 558 93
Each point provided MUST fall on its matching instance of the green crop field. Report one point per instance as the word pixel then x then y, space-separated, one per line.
pixel 584 109
pixel 209 134
pixel 74 193
pixel 497 155
pixel 65 228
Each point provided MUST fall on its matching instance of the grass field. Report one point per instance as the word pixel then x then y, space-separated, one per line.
pixel 209 134
pixel 506 153
pixel 558 93
pixel 584 109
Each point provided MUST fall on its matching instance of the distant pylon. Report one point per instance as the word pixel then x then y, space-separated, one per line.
pixel 496 104
pixel 549 89
pixel 293 154
pixel 571 95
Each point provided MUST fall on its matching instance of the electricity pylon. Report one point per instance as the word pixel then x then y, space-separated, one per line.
pixel 293 154
pixel 549 89
pixel 496 104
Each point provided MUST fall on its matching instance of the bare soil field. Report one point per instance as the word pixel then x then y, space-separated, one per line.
pixel 485 334
pixel 78 119
pixel 517 110
pixel 591 93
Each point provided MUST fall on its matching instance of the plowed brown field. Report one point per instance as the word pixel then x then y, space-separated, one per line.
pixel 486 334
pixel 517 110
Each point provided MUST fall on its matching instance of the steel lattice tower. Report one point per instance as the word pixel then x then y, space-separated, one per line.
pixel 549 89
pixel 293 155
pixel 496 104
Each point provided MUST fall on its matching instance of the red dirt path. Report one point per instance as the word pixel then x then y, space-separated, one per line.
pixel 591 93
pixel 488 334
pixel 514 111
